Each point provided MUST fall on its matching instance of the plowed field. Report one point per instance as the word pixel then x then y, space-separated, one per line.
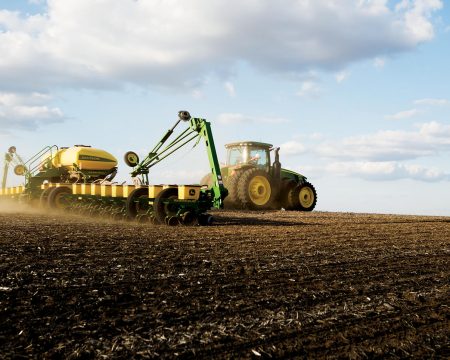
pixel 268 284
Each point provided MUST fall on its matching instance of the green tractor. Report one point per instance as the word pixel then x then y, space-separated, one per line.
pixel 253 182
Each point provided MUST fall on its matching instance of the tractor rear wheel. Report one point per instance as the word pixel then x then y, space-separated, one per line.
pixel 161 208
pixel 135 202
pixel 304 197
pixel 232 201
pixel 57 200
pixel 255 190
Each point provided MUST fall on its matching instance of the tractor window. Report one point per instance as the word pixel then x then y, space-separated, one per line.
pixel 258 157
pixel 235 156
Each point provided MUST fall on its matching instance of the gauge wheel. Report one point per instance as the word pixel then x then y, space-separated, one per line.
pixel 131 158
pixel 20 170
pixel 162 208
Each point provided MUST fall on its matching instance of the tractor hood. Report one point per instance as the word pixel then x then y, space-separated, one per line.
pixel 285 173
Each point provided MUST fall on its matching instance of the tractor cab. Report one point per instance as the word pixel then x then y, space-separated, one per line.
pixel 248 153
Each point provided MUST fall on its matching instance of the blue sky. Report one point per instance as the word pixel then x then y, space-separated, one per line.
pixel 356 93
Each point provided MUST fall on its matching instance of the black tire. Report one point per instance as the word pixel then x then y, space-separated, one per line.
pixel 133 206
pixel 162 210
pixel 232 200
pixel 57 200
pixel 189 219
pixel 43 199
pixel 205 219
pixel 287 188
pixel 255 190
pixel 304 197
pixel 131 158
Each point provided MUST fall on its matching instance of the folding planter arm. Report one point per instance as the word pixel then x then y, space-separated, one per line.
pixel 198 128
pixel 203 128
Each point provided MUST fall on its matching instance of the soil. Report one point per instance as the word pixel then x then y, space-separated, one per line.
pixel 273 284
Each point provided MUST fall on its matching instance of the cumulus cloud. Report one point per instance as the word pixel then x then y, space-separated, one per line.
pixel 428 140
pixel 229 87
pixel 432 102
pixel 27 111
pixel 292 148
pixel 96 44
pixel 406 114
pixel 341 76
pixel 309 89
pixel 379 62
pixel 237 118
pixel 389 170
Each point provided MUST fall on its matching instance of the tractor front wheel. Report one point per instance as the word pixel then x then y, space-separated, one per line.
pixel 255 190
pixel 287 188
pixel 304 197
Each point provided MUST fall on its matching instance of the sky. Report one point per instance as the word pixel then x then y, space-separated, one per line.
pixel 355 93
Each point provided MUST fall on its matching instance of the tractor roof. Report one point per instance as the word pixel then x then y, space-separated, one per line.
pixel 248 143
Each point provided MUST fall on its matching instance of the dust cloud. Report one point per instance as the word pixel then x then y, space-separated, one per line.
pixel 14 207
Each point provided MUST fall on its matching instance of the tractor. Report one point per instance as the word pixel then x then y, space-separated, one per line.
pixel 253 182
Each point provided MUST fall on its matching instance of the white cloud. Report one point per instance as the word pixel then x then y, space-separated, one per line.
pixel 429 139
pixel 229 87
pixel 386 171
pixel 109 43
pixel 22 111
pixel 406 114
pixel 432 102
pixel 309 89
pixel 292 148
pixel 379 62
pixel 197 94
pixel 236 118
pixel 416 17
pixel 341 76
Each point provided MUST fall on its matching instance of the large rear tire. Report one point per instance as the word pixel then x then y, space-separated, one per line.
pixel 135 203
pixel 232 201
pixel 162 209
pixel 304 197
pixel 255 190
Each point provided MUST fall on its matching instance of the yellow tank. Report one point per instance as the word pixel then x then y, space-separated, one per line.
pixel 84 157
